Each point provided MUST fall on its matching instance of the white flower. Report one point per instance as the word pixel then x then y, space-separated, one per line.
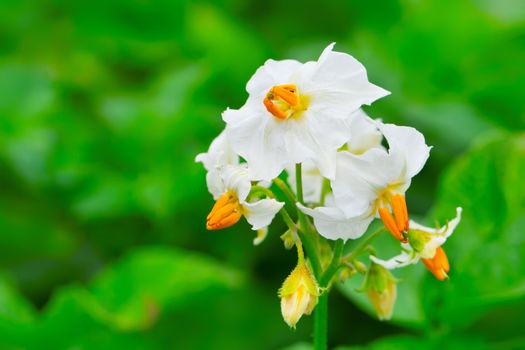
pixel 364 135
pixel 218 156
pixel 297 112
pixel 424 243
pixel 373 184
pixel 230 183
pixel 231 189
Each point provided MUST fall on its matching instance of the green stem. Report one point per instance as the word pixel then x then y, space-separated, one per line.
pixel 288 220
pixel 299 182
pixel 307 237
pixel 287 192
pixel 334 264
pixel 321 323
pixel 364 244
pixel 259 189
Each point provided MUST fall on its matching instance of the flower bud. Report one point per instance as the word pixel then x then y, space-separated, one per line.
pixel 289 239
pixel 299 294
pixel 381 289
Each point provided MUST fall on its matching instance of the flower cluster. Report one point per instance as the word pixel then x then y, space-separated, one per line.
pixel 303 122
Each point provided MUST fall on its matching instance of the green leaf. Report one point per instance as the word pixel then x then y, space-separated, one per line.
pixel 403 342
pixel 148 281
pixel 486 251
pixel 17 315
pixel 127 299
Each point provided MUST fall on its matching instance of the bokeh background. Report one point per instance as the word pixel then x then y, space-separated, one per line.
pixel 104 105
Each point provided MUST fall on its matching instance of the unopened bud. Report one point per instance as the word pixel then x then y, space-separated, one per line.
pixel 381 289
pixel 289 239
pixel 299 294
pixel 345 273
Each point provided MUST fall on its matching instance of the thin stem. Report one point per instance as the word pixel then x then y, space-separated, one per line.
pixel 287 192
pixel 363 246
pixel 300 254
pixel 321 323
pixel 299 182
pixel 305 235
pixel 287 219
pixel 259 189
pixel 334 264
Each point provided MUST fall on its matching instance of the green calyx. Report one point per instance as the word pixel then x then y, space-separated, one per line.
pixel 418 239
pixel 377 279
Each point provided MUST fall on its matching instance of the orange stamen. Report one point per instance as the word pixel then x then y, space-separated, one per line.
pixel 225 213
pixel 270 107
pixel 439 264
pixel 281 99
pixel 286 92
pixel 390 224
pixel 399 206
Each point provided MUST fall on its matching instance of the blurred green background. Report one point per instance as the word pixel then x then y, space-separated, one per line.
pixel 104 105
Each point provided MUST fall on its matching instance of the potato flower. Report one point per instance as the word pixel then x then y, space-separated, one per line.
pixel 230 183
pixel 297 112
pixel 373 184
pixel 424 243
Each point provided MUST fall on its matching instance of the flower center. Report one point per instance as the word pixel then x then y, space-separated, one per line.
pixel 284 101
pixel 225 213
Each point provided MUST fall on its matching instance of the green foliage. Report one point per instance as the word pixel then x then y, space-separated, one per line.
pixel 104 105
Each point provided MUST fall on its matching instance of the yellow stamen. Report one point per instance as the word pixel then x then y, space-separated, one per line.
pixel 399 207
pixel 439 264
pixel 225 213
pixel 282 101
pixel 390 224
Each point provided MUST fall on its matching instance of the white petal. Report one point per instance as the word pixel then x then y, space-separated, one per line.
pixel 219 154
pixel 407 143
pixel 404 259
pixel 452 224
pixel 261 235
pixel 364 134
pixel 237 178
pixel 438 236
pixel 261 213
pixel 258 138
pixel 445 230
pixel 215 184
pixel 359 179
pixel 303 141
pixel 333 224
pixel 340 74
pixel 270 74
